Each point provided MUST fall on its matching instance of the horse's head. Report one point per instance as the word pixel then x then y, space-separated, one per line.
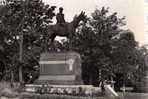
pixel 80 17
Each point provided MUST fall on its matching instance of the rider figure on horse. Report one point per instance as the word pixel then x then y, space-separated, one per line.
pixel 60 17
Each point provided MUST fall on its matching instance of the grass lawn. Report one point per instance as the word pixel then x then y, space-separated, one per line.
pixel 53 96
pixel 134 95
pixel 128 95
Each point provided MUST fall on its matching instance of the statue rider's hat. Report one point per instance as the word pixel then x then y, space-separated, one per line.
pixel 61 9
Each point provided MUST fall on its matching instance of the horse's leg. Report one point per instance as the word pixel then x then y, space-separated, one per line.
pixel 70 41
pixel 52 37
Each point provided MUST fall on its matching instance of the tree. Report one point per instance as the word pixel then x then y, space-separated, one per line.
pixel 128 60
pixel 30 18
pixel 107 48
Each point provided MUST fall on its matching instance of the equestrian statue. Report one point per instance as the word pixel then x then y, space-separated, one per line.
pixel 63 28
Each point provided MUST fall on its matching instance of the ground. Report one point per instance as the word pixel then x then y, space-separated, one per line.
pixel 127 95
pixel 134 95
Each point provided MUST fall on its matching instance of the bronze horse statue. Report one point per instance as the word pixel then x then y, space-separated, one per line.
pixel 67 29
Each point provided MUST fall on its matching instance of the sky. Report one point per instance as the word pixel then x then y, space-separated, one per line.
pixel 132 9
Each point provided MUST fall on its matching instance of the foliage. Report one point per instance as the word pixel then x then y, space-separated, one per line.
pixel 27 17
pixel 105 46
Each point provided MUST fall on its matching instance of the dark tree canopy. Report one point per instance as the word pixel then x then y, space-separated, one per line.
pixel 104 45
pixel 30 17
